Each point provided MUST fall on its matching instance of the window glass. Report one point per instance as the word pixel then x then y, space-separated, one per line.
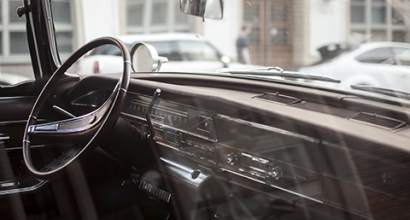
pixel 61 11
pixel 402 56
pixel 379 12
pixel 18 43
pixel 13 17
pixel 191 50
pixel 380 55
pixel 166 49
pixel 64 41
pixel 159 15
pixel 181 18
pixel 378 21
pixel 357 13
pixel 156 16
pixel 109 50
pixel 15 62
pixel 135 13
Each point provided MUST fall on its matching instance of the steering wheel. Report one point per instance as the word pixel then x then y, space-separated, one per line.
pixel 92 127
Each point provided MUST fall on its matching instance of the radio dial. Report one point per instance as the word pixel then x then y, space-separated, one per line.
pixel 231 158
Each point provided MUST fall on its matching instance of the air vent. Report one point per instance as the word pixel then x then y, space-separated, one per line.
pixel 277 98
pixel 378 120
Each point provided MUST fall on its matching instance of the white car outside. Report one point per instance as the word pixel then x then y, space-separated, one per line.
pixel 380 64
pixel 185 52
pixel 9 79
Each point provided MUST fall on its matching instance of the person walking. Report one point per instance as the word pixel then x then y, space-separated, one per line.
pixel 242 45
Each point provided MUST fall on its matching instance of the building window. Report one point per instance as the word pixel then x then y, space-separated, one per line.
pixel 376 20
pixel 156 16
pixel 63 16
pixel 13 37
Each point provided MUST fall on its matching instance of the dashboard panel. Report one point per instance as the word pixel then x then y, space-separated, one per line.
pixel 261 153
pixel 313 150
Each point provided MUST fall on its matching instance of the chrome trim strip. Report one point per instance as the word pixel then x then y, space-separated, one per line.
pixel 23 190
pixel 4 138
pixel 183 173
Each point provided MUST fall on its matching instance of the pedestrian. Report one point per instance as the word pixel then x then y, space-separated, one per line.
pixel 242 45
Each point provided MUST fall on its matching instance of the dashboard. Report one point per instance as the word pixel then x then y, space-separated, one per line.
pixel 219 142
pixel 312 146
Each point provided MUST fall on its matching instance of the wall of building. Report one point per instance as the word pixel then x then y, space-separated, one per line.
pixel 328 24
pixel 223 33
pixel 98 18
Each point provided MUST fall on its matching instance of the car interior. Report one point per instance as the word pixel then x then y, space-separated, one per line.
pixel 194 146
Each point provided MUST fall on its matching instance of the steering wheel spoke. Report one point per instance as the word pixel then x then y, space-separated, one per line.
pixel 74 125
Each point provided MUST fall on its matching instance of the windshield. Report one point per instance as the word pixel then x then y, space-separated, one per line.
pixel 360 42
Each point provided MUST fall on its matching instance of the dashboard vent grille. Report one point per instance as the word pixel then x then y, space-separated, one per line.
pixel 278 98
pixel 378 120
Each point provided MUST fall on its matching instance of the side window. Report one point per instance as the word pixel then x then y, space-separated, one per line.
pixel 111 50
pixel 402 56
pixel 15 63
pixel 166 49
pixel 383 55
pixel 193 50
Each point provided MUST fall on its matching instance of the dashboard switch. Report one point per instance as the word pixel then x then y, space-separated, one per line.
pixel 231 158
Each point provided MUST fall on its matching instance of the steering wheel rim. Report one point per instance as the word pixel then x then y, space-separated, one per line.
pixel 99 121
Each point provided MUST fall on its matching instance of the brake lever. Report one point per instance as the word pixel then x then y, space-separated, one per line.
pixel 148 114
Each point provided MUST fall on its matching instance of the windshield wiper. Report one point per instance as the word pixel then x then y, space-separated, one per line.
pixel 383 91
pixel 277 71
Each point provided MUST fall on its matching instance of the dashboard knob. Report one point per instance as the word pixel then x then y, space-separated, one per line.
pixel 231 158
pixel 276 172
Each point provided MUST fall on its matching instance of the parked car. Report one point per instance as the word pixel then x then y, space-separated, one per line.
pixel 9 79
pixel 185 52
pixel 193 145
pixel 380 64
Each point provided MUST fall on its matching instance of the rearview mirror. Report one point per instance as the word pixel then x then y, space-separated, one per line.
pixel 212 9
pixel 144 58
